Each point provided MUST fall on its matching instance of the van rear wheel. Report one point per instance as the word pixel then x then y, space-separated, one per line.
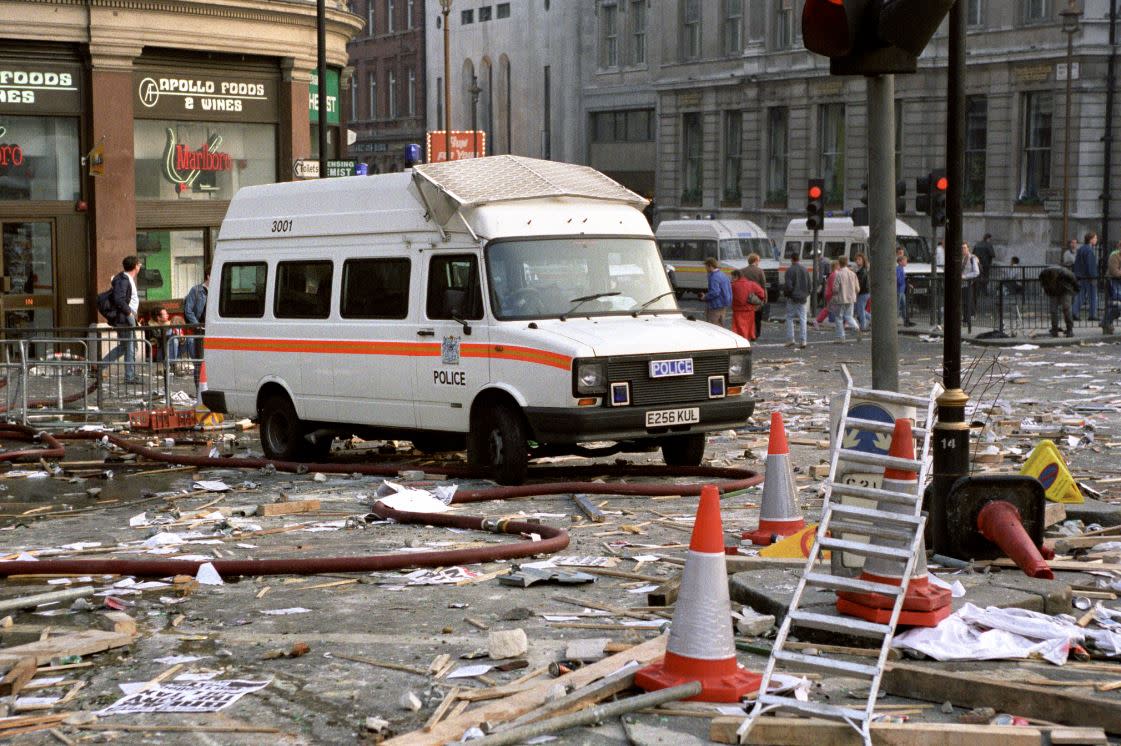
pixel 499 442
pixel 282 432
pixel 684 450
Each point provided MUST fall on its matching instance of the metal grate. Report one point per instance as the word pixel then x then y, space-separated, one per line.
pixel 646 390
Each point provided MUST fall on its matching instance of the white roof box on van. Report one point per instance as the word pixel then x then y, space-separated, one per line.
pixel 471 182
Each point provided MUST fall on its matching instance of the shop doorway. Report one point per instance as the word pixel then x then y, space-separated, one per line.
pixel 27 292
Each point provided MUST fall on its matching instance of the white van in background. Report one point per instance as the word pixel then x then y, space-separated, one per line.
pixel 518 306
pixel 840 237
pixel 685 244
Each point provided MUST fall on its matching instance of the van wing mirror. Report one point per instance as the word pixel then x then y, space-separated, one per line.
pixel 466 325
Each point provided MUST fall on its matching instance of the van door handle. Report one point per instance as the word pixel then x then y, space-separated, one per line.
pixel 426 333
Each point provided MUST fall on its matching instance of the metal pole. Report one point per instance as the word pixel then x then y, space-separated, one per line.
pixel 816 261
pixel 951 432
pixel 321 63
pixel 881 230
pixel 1066 143
pixel 447 6
pixel 1107 170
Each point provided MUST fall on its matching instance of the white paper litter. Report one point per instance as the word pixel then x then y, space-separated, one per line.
pixel 413 500
pixel 164 539
pixel 207 575
pixel 185 696
pixel 286 612
pixel 466 672
pixel 138 520
pixel 201 676
pixel 956 589
pixel 643 589
pixel 175 660
pixel 25 557
pixel 210 485
pixel 1025 347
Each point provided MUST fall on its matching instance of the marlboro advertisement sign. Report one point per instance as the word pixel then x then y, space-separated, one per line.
pixel 464 144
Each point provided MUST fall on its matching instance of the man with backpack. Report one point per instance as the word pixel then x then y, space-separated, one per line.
pixel 119 305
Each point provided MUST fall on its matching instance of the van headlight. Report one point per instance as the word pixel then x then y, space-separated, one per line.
pixel 590 378
pixel 739 367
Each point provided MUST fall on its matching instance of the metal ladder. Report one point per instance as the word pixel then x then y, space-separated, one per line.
pixel 838 518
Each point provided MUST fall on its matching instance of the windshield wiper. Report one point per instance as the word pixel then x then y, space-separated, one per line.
pixel 584 299
pixel 650 302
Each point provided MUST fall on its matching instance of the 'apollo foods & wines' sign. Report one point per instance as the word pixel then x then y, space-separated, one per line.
pixel 39 88
pixel 239 98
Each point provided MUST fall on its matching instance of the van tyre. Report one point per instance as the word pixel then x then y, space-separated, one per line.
pixel 282 432
pixel 684 450
pixel 438 442
pixel 500 443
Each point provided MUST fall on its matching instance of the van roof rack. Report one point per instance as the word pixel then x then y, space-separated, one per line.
pixel 448 186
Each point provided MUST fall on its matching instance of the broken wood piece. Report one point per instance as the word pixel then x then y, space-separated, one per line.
pixel 577 699
pixel 442 709
pixel 665 594
pixel 785 731
pixel 78 643
pixel 965 688
pixel 38 599
pixel 1053 513
pixel 14 674
pixel 289 507
pixel 118 621
pixel 476 623
pixel 590 510
pixel 515 705
pixel 382 664
pixel 893 654
pixel 438 663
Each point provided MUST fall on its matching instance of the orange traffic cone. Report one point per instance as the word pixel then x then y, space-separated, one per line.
pixel 701 646
pixel 924 604
pixel 202 380
pixel 1000 523
pixel 779 515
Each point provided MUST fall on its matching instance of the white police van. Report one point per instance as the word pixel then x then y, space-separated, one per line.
pixel 515 305
pixel 686 244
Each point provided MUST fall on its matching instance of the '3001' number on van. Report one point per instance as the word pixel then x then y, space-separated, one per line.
pixel 281 226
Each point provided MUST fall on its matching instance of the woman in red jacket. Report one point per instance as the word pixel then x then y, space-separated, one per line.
pixel 743 310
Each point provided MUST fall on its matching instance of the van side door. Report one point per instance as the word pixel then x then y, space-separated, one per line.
pixel 454 362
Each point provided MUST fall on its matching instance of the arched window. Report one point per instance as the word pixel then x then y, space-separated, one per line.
pixel 502 137
pixel 486 102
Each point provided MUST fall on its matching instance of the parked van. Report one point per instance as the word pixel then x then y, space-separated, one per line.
pixel 840 237
pixel 513 305
pixel 685 244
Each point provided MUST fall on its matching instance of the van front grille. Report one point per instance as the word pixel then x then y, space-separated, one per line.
pixel 646 391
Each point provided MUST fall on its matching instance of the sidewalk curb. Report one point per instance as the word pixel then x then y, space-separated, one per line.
pixel 1044 341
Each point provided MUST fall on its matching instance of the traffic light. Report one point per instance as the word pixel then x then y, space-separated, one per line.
pixel 871 37
pixel 860 214
pixel 900 196
pixel 815 205
pixel 922 195
pixel 938 185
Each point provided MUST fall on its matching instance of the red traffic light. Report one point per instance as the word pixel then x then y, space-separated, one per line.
pixel 815 192
pixel 829 28
pixel 942 184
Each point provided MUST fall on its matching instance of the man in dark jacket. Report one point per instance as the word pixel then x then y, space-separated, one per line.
pixel 796 288
pixel 1086 272
pixel 1059 285
pixel 985 253
pixel 125 302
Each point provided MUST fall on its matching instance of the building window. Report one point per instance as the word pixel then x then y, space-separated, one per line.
pixel 467 17
pixel 692 176
pixel 733 27
pixel 1036 11
pixel 373 95
pixel 691 30
pixel 412 93
pixel 973 13
pixel 733 155
pixel 39 157
pixel 638 32
pixel 634 125
pixel 777 147
pixel 1035 171
pixel 410 11
pixel 392 95
pixel 784 25
pixel 976 126
pixel 390 16
pixel 831 136
pixel 485 13
pixel 502 10
pixel 371 27
pixel 609 35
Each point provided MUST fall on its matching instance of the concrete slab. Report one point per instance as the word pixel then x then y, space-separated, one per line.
pixel 769 591
pixel 1094 511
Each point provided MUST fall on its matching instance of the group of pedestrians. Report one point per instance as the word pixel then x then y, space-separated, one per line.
pixel 745 293
pixel 1073 285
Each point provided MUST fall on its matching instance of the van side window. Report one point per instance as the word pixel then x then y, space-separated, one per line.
pixel 834 249
pixel 453 288
pixel 685 250
pixel 791 248
pixel 375 289
pixel 242 293
pixel 303 290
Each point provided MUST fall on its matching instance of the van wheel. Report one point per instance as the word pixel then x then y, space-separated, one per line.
pixel 498 442
pixel 282 433
pixel 438 442
pixel 684 450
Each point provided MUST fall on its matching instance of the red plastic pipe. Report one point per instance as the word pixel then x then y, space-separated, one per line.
pixel 999 522
pixel 19 432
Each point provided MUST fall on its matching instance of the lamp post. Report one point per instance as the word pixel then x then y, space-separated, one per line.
pixel 1070 15
pixel 446 8
pixel 475 90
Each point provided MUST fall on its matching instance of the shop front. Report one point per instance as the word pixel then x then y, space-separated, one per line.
pixel 201 132
pixel 42 221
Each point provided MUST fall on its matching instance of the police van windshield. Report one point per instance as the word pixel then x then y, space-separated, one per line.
pixel 916 248
pixel 543 278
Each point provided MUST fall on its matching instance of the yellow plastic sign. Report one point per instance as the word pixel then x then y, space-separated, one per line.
pixel 794 546
pixel 1047 465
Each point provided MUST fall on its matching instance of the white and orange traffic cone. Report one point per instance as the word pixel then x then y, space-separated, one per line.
pixel 924 604
pixel 779 514
pixel 202 381
pixel 701 646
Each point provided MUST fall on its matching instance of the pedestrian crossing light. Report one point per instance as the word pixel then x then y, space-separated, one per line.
pixel 922 195
pixel 815 205
pixel 871 37
pixel 938 184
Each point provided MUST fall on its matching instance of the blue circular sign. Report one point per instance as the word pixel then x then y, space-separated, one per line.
pixel 866 440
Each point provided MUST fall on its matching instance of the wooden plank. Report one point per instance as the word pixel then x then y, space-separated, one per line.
pixel 118 621
pixel 1053 513
pixel 968 689
pixel 784 731
pixel 80 643
pixel 288 508
pixel 30 602
pixel 665 594
pixel 509 708
pixel 15 675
